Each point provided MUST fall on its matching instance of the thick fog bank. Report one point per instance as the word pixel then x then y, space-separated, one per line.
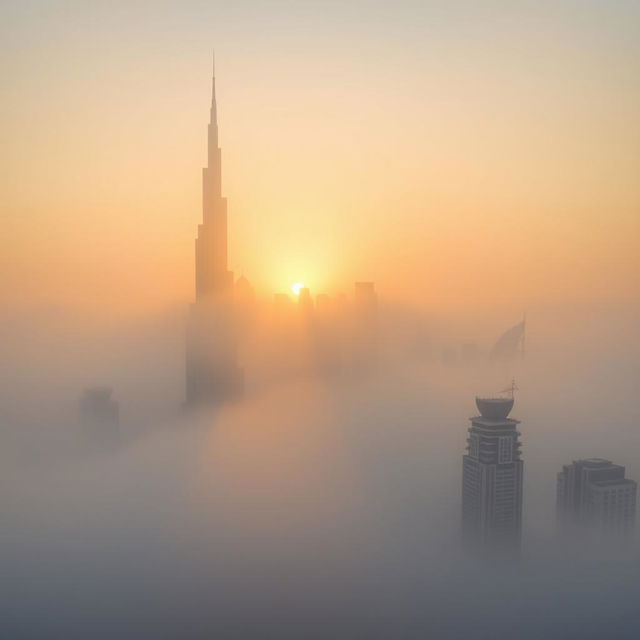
pixel 320 507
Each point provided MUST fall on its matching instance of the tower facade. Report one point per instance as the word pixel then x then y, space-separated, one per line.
pixel 212 372
pixel 492 479
pixel 594 493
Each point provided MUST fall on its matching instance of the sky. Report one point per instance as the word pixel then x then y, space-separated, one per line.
pixel 461 155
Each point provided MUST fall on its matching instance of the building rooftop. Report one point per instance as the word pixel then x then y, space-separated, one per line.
pixel 94 394
pixel 594 462
pixel 611 483
pixel 494 408
pixel 493 424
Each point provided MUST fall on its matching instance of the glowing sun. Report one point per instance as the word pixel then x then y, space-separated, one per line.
pixel 296 287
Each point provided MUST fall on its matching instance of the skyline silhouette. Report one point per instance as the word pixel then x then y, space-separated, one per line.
pixel 260 400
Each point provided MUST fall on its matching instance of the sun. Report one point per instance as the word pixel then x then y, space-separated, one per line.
pixel 296 287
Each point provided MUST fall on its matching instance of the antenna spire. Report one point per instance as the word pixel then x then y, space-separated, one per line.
pixel 214 109
pixel 214 151
pixel 511 388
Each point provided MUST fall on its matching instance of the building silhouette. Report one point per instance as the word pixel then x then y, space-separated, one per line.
pixel 492 479
pixel 100 418
pixel 244 292
pixel 510 343
pixel 305 303
pixel 365 324
pixel 212 372
pixel 595 494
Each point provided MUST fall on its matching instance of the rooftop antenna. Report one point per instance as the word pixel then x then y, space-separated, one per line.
pixel 511 388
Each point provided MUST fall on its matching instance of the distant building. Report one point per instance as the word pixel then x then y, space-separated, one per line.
pixel 244 292
pixel 323 303
pixel 305 301
pixel 100 417
pixel 366 301
pixel 365 324
pixel 282 304
pixel 492 479
pixel 510 343
pixel 594 493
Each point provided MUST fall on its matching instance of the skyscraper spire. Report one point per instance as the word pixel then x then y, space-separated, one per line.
pixel 214 110
pixel 213 118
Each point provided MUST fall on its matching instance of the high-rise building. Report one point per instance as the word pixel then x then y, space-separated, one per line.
pixel 213 375
pixel 100 417
pixel 305 302
pixel 595 494
pixel 492 479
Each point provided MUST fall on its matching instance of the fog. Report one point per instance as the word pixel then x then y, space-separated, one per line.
pixel 324 504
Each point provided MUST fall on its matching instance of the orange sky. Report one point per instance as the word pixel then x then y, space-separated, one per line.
pixel 456 157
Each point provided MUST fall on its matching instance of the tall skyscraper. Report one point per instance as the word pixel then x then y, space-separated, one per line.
pixel 213 375
pixel 594 493
pixel 492 479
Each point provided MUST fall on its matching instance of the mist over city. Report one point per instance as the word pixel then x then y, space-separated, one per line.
pixel 332 334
